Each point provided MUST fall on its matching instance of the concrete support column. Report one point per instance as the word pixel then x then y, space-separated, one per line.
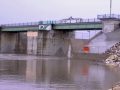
pixel 8 42
pixel 32 42
pixel 21 46
pixel 0 41
pixel 13 42
pixel 54 42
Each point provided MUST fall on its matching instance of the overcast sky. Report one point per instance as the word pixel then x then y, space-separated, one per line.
pixel 12 11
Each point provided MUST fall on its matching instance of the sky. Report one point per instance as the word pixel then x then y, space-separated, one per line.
pixel 18 11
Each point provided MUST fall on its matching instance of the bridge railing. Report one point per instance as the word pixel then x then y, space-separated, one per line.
pixel 20 24
pixel 64 21
pixel 105 16
pixel 77 21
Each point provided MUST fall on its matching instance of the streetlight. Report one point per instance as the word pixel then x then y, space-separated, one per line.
pixel 110 7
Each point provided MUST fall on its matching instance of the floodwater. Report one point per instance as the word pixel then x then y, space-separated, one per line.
pixel 54 73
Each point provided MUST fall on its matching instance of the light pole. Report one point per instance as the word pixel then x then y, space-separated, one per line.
pixel 110 7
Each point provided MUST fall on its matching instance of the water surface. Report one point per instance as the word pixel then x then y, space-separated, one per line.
pixel 53 73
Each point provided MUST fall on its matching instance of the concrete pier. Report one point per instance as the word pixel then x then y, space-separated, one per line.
pixel 13 42
pixel 8 42
pixel 32 42
pixel 36 43
pixel 21 46
pixel 54 42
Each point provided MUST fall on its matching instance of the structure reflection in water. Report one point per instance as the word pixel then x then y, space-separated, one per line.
pixel 82 75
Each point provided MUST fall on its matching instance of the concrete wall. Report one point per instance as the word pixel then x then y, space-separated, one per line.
pixel 110 25
pixel 43 43
pixel 0 41
pixel 54 42
pixel 104 41
pixel 13 42
pixel 8 42
pixel 109 36
pixel 32 42
pixel 22 42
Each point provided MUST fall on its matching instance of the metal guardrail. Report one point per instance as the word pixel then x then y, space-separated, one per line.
pixel 77 21
pixel 20 24
pixel 63 21
pixel 105 16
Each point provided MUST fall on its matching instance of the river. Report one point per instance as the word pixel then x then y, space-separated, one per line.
pixel 21 72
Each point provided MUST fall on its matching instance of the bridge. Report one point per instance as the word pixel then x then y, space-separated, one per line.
pixel 52 37
pixel 65 24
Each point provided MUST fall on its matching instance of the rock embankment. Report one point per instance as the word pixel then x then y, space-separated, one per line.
pixel 116 87
pixel 115 49
pixel 114 55
pixel 113 60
